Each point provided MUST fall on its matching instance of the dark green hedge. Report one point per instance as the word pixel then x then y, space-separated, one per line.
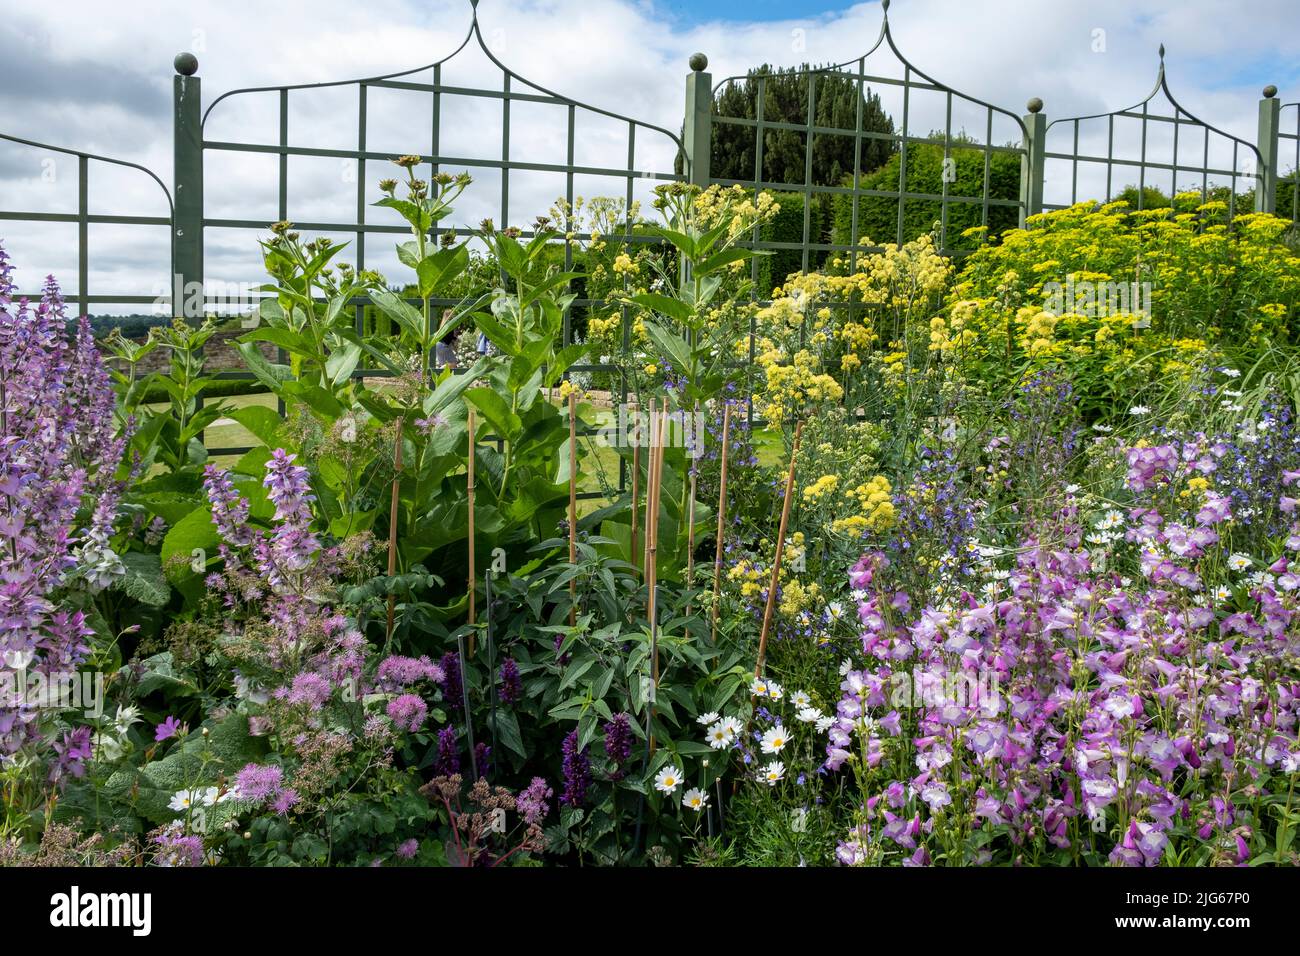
pixel 878 215
pixel 787 226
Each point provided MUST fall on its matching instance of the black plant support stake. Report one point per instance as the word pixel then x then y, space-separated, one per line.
pixel 492 655
pixel 464 697
pixel 645 756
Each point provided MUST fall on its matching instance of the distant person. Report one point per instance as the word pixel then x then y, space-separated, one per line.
pixel 444 353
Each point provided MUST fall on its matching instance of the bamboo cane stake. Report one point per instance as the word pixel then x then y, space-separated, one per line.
pixel 573 506
pixel 636 480
pixel 780 548
pixel 650 486
pixel 392 526
pixel 690 514
pixel 469 488
pixel 722 515
pixel 652 567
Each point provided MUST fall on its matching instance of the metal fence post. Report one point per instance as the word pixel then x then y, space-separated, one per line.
pixel 187 181
pixel 1032 162
pixel 697 142
pixel 1270 111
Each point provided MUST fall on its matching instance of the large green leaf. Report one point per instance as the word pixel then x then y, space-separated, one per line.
pixel 191 541
pixel 400 311
pixel 670 346
pixel 342 362
pixel 497 413
pixel 144 579
pixel 435 271
pixel 665 304
pixel 263 422
pixel 270 375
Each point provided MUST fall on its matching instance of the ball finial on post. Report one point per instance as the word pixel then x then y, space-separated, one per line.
pixel 1270 91
pixel 186 64
pixel 1035 105
pixel 699 62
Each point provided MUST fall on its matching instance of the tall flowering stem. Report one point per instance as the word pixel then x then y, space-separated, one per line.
pixel 469 493
pixel 573 506
pixel 58 456
pixel 780 548
pixel 636 485
pixel 722 518
pixel 392 525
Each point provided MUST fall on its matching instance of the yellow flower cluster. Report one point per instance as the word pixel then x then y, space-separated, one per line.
pixel 1197 486
pixel 873 505
pixel 736 207
pixel 605 332
pixel 748 576
pixel 1122 295
pixel 567 388
pixel 795 386
pixel 821 488
pixel 751 578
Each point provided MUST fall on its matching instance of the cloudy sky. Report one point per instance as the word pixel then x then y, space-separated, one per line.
pixel 98 77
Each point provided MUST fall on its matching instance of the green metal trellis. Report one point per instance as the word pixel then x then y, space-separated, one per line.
pixel 84 218
pixel 1285 125
pixel 514 88
pixel 1141 113
pixel 913 80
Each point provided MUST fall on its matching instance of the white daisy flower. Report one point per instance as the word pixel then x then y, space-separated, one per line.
pixel 774 690
pixel 800 699
pixel 720 736
pixel 668 779
pixel 1139 410
pixel 182 800
pixel 712 717
pixel 775 739
pixel 773 772
pixel 695 799
pixel 758 687
pixel 1239 562
pixel 809 715
pixel 824 724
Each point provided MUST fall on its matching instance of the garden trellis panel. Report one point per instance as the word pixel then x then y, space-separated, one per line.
pixel 83 218
pixel 1289 151
pixel 514 89
pixel 913 81
pixel 1183 128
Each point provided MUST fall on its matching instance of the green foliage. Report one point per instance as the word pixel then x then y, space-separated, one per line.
pixel 788 226
pixel 878 215
pixel 785 100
